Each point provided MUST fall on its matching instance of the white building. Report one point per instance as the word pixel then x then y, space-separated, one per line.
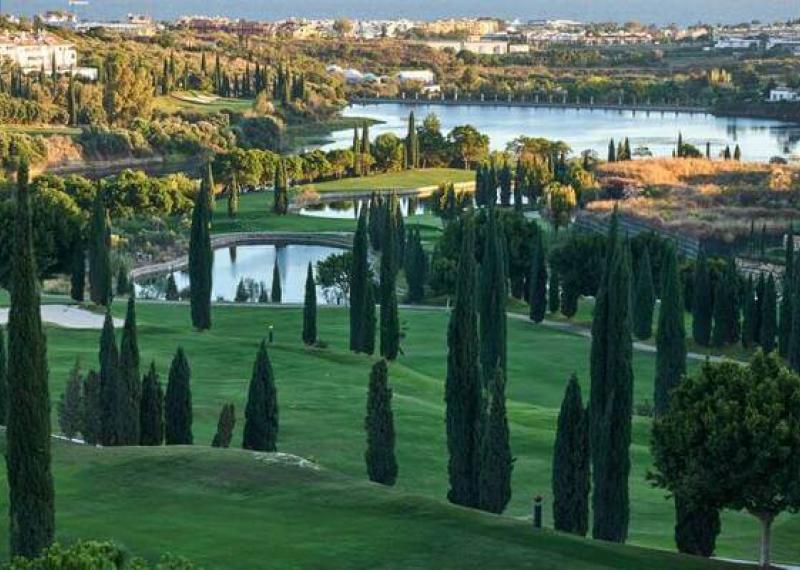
pixel 784 94
pixel 425 76
pixel 34 52
pixel 478 47
pixel 736 42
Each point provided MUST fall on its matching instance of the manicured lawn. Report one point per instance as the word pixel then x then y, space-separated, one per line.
pixel 397 180
pixel 173 104
pixel 322 400
pixel 234 509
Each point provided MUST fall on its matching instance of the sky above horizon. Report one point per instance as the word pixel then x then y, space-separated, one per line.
pixel 646 11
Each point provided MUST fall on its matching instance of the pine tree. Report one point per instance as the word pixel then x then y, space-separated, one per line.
pixel 152 409
pixel 571 464
pixel 92 409
pixel 225 427
pixel 70 405
pixel 178 402
pixel 233 197
pixel 261 413
pixel 702 306
pixel 129 378
pixel 671 334
pixel 276 293
pixel 644 299
pixel 554 292
pixel 3 381
pixel 379 425
pixel 768 316
pixel 463 386
pixel 494 490
pixel 492 299
pixel 78 272
pixel 537 284
pixel 201 258
pixel 390 323
pixel 610 407
pixel 99 253
pixel 359 283
pixel 111 393
pixel 310 309
pixel 30 481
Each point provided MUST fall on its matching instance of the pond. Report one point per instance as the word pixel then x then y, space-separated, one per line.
pixel 585 129
pixel 349 209
pixel 253 264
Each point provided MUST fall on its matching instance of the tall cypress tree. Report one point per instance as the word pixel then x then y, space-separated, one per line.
pixel 110 389
pixel 794 336
pixel 151 409
pixel 368 335
pixel 310 309
pixel 201 258
pixel 129 378
pixel 416 267
pixel 554 291
pixel 726 310
pixel 280 203
pixel 463 386
pixel 276 293
pixel 390 323
pixel 78 272
pixel 702 302
pixel 571 464
pixel 99 253
pixel 225 426
pixel 92 409
pixel 359 282
pixel 261 412
pixel 610 408
pixel 379 425
pixel 233 197
pixel 30 482
pixel 412 144
pixel 356 153
pixel 537 286
pixel 3 381
pixel 644 299
pixel 671 334
pixel 494 489
pixel 769 325
pixel 366 154
pixel 178 402
pixel 492 300
pixel 749 317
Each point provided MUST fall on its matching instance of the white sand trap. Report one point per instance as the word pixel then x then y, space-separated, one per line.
pixel 68 317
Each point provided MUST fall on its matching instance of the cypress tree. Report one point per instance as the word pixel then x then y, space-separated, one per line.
pixel 30 482
pixel 280 203
pixel 359 283
pixel 356 153
pixel 261 412
pixel 644 299
pixel 201 258
pixel 78 272
pixel 610 408
pixel 494 490
pixel 761 292
pixel 416 267
pixel 111 391
pixel 172 289
pixel 99 253
pixel 492 300
pixel 390 324
pixel 152 409
pixel 412 144
pixel 726 314
pixel 612 151
pixel 225 426
pixel 379 425
pixel 365 150
pixel 70 404
pixel 785 324
pixel 463 386
pixel 3 381
pixel 310 309
pixel 571 464
pixel 233 197
pixel 124 285
pixel 702 306
pixel 178 402
pixel 768 316
pixel 538 280
pixel 794 335
pixel 129 377
pixel 671 334
pixel 276 293
pixel 92 409
pixel 368 339
pixel 749 319
pixel 553 291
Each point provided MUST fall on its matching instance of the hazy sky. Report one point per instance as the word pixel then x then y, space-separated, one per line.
pixel 647 11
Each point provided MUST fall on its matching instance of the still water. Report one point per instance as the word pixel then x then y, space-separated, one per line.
pixel 254 263
pixel 585 129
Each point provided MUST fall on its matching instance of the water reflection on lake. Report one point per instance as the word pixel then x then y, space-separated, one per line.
pixel 349 209
pixel 254 264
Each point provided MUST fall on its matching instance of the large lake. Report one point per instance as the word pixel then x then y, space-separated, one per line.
pixel 586 129
pixel 254 263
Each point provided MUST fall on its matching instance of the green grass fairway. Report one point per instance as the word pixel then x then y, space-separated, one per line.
pixel 44 130
pixel 402 180
pixel 175 103
pixel 235 509
pixel 322 394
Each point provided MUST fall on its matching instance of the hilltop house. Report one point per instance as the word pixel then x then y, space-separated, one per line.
pixel 34 52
